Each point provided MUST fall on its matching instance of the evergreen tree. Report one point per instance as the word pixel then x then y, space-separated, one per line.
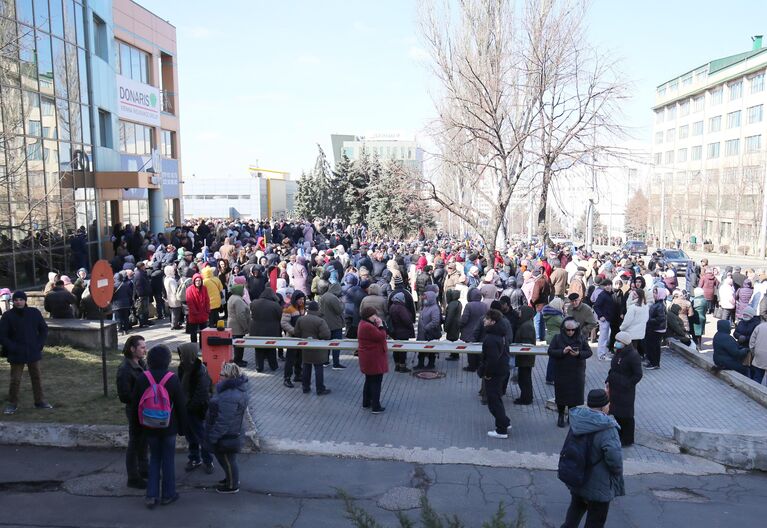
pixel 395 207
pixel 339 182
pixel 366 170
pixel 304 205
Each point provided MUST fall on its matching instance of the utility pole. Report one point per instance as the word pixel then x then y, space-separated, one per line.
pixel 763 226
pixel 662 237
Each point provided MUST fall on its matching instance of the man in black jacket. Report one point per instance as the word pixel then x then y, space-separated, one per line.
pixel 132 368
pixel 196 385
pixel 494 368
pixel 143 292
pixel 22 335
pixel 59 302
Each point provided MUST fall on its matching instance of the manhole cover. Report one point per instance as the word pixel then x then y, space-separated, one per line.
pixel 401 498
pixel 101 485
pixel 679 495
pixel 429 374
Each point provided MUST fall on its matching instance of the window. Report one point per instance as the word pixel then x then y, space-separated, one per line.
pixel 105 129
pixel 168 140
pixel 670 112
pixel 757 83
pixel 754 143
pixel 670 134
pixel 669 157
pixel 715 124
pixel 716 96
pixel 658 158
pixel 684 131
pixel 713 151
pixel 732 147
pixel 659 137
pixel 697 128
pixel 100 38
pixel 687 80
pixel 681 155
pixel 135 138
pixel 700 75
pixel 684 108
pixel 133 62
pixel 659 116
pixel 698 103
pixel 729 175
pixel 736 90
pixel 696 153
pixel 755 114
pixel 661 91
pixel 733 119
pixel 672 86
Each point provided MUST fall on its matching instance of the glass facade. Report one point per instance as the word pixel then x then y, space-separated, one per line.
pixel 49 224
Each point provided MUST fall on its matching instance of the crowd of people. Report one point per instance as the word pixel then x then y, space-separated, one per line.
pixel 324 280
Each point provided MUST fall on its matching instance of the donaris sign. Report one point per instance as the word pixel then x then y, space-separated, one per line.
pixel 138 102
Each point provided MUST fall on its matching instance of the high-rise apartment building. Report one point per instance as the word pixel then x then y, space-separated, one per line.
pixel 708 149
pixel 90 133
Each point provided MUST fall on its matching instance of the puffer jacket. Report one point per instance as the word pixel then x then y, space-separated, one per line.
pixel 635 321
pixel 727 354
pixel 226 410
pixel 605 481
pixel 656 321
pixel 743 298
pixel 430 321
pixel 375 300
pixel 494 361
pixel 123 294
pixel 710 284
pixel 525 334
pixel 453 315
pixel 265 315
pixel 127 374
pixel 171 285
pixel 213 286
pixel 473 313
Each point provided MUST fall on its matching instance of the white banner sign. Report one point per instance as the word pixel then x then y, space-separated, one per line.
pixel 138 102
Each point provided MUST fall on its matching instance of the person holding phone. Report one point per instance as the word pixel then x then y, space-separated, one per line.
pixel 569 351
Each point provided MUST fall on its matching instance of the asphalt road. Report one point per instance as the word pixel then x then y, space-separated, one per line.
pixel 83 488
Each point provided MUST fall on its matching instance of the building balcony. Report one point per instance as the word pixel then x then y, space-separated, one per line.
pixel 168 102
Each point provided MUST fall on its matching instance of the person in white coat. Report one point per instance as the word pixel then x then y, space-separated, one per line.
pixel 172 301
pixel 635 320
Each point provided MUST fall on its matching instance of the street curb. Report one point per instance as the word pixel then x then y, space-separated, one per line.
pixel 747 386
pixel 736 449
pixel 100 436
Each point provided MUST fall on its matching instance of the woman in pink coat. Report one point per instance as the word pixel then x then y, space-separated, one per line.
pixel 373 357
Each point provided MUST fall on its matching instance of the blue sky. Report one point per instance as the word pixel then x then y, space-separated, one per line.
pixel 266 81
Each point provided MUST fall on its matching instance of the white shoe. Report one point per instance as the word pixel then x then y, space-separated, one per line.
pixel 493 434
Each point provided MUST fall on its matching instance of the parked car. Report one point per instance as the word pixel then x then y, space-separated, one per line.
pixel 676 259
pixel 635 247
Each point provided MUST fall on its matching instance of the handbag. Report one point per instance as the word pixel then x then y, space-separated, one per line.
pixel 718 312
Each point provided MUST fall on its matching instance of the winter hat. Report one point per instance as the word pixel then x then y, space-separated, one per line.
pixel 557 304
pixel 18 294
pixel 623 337
pixel 150 247
pixel 158 357
pixel 397 279
pixel 661 293
pixel 313 306
pixel 398 298
pixel 597 398
pixel 748 313
pixel 574 296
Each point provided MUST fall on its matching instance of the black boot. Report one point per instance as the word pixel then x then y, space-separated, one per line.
pixel 561 420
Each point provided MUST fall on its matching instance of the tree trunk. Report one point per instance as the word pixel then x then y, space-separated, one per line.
pixel 543 202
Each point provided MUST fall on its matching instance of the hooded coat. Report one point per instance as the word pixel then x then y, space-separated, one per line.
pixel 625 372
pixel 226 410
pixel 265 315
pixel 401 320
pixel 213 286
pixel 123 294
pixel 727 354
pixel 453 315
pixel 743 297
pixel 430 320
pixel 471 320
pixel 375 300
pixel 373 350
pixel 605 480
pixel 300 275
pixel 698 319
pixel 635 321
pixel 237 311
pixel 195 381
pixel 494 361
pixel 170 284
pixel 552 319
pixel 331 307
pixel 569 371
pixel 744 328
pixel 675 326
pixel 312 325
pixel 198 302
pixel 710 284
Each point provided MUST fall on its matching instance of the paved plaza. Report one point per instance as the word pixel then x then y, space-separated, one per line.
pixel 441 420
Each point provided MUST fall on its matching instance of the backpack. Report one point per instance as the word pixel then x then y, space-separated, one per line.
pixel 574 466
pixel 154 407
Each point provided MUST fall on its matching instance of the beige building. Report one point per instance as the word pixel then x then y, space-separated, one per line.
pixel 708 149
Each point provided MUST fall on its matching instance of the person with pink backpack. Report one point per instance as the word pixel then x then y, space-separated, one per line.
pixel 158 407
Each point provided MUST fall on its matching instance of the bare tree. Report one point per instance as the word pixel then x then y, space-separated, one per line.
pixel 578 95
pixel 486 107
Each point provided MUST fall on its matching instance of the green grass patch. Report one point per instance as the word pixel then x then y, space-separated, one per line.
pixel 72 384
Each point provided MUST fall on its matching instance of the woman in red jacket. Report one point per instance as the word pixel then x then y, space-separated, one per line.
pixel 374 363
pixel 198 302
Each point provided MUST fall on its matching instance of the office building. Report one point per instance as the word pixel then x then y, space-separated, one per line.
pixel 395 146
pixel 262 193
pixel 709 154
pixel 90 129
